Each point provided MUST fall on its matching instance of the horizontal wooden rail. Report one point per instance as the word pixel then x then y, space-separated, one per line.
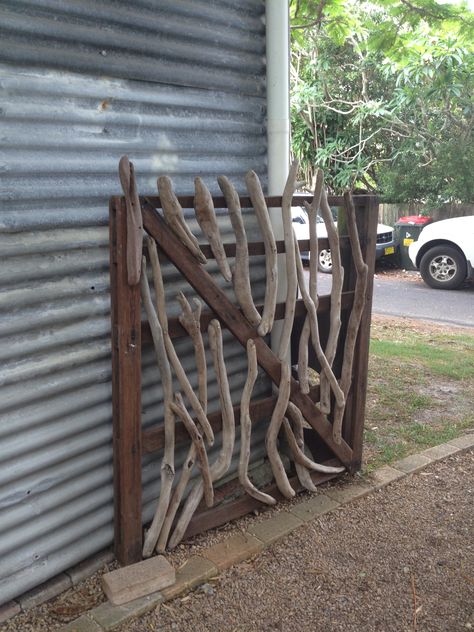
pixel 273 201
pixel 176 330
pixel 153 439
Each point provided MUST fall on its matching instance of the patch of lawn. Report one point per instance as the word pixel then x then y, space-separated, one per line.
pixel 420 390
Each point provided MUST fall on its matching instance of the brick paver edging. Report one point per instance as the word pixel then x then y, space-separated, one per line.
pixel 243 545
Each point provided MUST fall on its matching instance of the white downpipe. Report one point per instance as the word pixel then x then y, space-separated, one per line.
pixel 278 124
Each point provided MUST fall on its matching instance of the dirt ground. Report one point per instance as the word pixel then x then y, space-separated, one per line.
pixel 401 559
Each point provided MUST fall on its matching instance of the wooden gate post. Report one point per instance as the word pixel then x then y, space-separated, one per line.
pixel 126 393
pixel 353 429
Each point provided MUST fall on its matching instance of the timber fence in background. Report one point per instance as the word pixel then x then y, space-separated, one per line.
pixel 391 213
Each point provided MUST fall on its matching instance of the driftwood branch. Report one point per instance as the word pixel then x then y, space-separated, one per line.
pixel 221 465
pixel 301 458
pixel 297 418
pixel 271 438
pixel 191 322
pixel 167 464
pixel 336 294
pixel 179 409
pixel 170 350
pixel 176 498
pixel 313 320
pixel 241 273
pixel 261 211
pixel 206 217
pixel 174 217
pixel 356 312
pixel 290 259
pixel 134 220
pixel 312 210
pixel 246 429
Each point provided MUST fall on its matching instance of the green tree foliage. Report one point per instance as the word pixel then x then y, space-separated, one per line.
pixel 382 96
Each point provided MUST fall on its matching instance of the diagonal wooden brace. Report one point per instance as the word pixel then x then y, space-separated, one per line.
pixel 230 315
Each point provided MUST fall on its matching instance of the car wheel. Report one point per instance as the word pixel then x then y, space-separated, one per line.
pixel 443 267
pixel 325 261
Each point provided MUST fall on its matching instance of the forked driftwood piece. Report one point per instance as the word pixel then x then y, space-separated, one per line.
pixel 134 220
pixel 290 259
pixel 300 457
pixel 191 322
pixel 261 211
pixel 176 498
pixel 271 437
pixel 297 418
pixel 206 217
pixel 356 312
pixel 240 274
pixel 174 217
pixel 312 210
pixel 221 465
pixel 167 464
pixel 336 293
pixel 170 350
pixel 246 429
pixel 179 409
pixel 313 320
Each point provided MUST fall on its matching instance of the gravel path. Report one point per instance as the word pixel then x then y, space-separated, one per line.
pixel 401 559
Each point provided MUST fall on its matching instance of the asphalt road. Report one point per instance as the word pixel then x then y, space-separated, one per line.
pixel 412 298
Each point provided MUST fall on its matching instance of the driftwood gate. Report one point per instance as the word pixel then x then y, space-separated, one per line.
pixel 129 334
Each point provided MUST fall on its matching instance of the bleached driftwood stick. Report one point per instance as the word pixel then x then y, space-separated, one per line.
pixel 356 312
pixel 301 458
pixel 291 278
pixel 312 210
pixel 170 350
pixel 246 429
pixel 167 464
pixel 180 410
pixel 176 498
pixel 134 220
pixel 261 211
pixel 222 463
pixel 313 320
pixel 174 217
pixel 206 217
pixel 240 273
pixel 191 322
pixel 336 293
pixel 271 437
pixel 297 418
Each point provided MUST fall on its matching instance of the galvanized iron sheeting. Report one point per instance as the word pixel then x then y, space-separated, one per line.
pixel 68 113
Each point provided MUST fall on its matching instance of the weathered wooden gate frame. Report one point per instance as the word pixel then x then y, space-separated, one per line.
pixel 129 333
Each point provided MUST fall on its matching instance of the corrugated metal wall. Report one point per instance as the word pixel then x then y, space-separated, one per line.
pixel 179 87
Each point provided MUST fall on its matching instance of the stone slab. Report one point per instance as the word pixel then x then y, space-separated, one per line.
pixel 109 616
pixel 9 610
pixel 348 493
pixel 88 567
pixel 137 580
pixel 313 507
pixel 82 624
pixel 44 592
pixel 439 452
pixel 193 572
pixel 275 527
pixel 385 475
pixel 464 442
pixel 412 463
pixel 235 549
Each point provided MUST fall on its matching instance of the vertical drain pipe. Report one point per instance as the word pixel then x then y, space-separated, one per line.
pixel 278 125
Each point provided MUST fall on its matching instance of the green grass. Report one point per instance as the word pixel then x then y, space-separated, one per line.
pixel 420 391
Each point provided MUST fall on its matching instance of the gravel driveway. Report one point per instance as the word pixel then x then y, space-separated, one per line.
pixel 400 559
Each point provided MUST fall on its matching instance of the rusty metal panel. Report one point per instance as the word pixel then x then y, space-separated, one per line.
pixel 179 87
